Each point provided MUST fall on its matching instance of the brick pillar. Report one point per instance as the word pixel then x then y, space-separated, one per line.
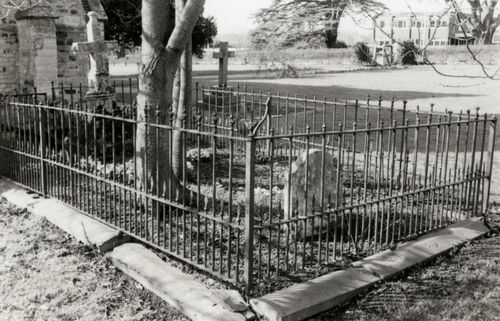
pixel 37 63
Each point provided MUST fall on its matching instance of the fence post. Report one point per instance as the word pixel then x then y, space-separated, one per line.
pixel 269 124
pixel 489 166
pixel 43 169
pixel 249 212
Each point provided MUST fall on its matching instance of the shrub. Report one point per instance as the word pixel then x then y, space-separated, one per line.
pixel 340 45
pixel 362 52
pixel 409 53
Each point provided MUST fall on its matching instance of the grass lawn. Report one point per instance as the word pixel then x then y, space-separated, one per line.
pixel 46 275
pixel 464 285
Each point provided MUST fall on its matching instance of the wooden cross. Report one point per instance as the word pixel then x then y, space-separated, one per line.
pixel 98 76
pixel 223 54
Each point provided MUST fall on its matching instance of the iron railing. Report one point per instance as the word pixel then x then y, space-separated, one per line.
pixel 269 186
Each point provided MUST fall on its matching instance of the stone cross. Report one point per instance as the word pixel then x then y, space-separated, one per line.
pixel 98 76
pixel 224 54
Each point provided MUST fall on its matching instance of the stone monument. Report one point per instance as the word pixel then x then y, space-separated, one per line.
pixel 305 199
pixel 97 48
pixel 223 55
pixel 221 97
pixel 35 45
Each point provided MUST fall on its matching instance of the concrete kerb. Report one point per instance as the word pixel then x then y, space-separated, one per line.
pixel 180 290
pixel 307 299
pixel 200 303
pixel 83 228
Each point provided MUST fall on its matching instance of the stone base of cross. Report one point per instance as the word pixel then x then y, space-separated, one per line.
pixel 223 55
pixel 97 48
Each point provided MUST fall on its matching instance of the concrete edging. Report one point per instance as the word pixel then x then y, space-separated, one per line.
pixel 73 222
pixel 178 289
pixel 307 299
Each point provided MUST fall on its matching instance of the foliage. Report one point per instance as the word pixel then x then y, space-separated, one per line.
pixel 409 53
pixel 291 23
pixel 124 26
pixel 340 45
pixel 362 52
pixel 203 34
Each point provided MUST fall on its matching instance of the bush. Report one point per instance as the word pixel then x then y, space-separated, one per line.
pixel 340 45
pixel 409 53
pixel 362 52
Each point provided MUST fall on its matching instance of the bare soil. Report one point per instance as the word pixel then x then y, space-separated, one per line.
pixel 464 285
pixel 46 275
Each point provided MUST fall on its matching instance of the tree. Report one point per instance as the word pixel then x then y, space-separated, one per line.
pixel 182 97
pixel 164 39
pixel 482 19
pixel 124 26
pixel 287 22
pixel 14 5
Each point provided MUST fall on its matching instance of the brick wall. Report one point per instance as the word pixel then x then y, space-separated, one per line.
pixel 8 52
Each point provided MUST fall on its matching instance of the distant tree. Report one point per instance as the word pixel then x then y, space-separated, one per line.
pixel 409 53
pixel 124 26
pixel 362 52
pixel 9 6
pixel 287 22
pixel 482 19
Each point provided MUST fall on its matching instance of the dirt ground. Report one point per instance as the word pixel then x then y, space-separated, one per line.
pixel 464 285
pixel 45 275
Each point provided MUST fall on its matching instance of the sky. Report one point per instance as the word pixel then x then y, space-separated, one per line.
pixel 234 16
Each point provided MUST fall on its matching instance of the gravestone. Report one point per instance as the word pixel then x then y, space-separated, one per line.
pixel 98 77
pixel 223 55
pixel 220 97
pixel 300 192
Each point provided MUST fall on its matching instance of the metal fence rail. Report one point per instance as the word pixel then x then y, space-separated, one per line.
pixel 269 185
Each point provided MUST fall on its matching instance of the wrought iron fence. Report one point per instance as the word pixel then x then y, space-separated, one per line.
pixel 268 185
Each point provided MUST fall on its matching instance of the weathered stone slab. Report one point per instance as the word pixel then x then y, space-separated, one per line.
pixel 315 296
pixel 305 199
pixel 78 225
pixel 17 195
pixel 178 289
pixel 389 263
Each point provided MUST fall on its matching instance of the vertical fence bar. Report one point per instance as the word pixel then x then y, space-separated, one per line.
pixel 471 183
pixel 249 212
pixel 43 169
pixel 489 166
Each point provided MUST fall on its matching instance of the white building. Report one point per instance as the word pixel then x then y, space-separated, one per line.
pixel 425 29
pixel 428 23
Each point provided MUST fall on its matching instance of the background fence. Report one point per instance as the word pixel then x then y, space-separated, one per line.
pixel 268 187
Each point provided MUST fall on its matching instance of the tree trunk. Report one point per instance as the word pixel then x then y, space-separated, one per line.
pixel 488 36
pixel 161 52
pixel 183 104
pixel 151 97
pixel 333 21
pixel 331 33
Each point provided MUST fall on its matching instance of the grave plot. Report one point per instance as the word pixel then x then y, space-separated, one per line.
pixel 271 190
